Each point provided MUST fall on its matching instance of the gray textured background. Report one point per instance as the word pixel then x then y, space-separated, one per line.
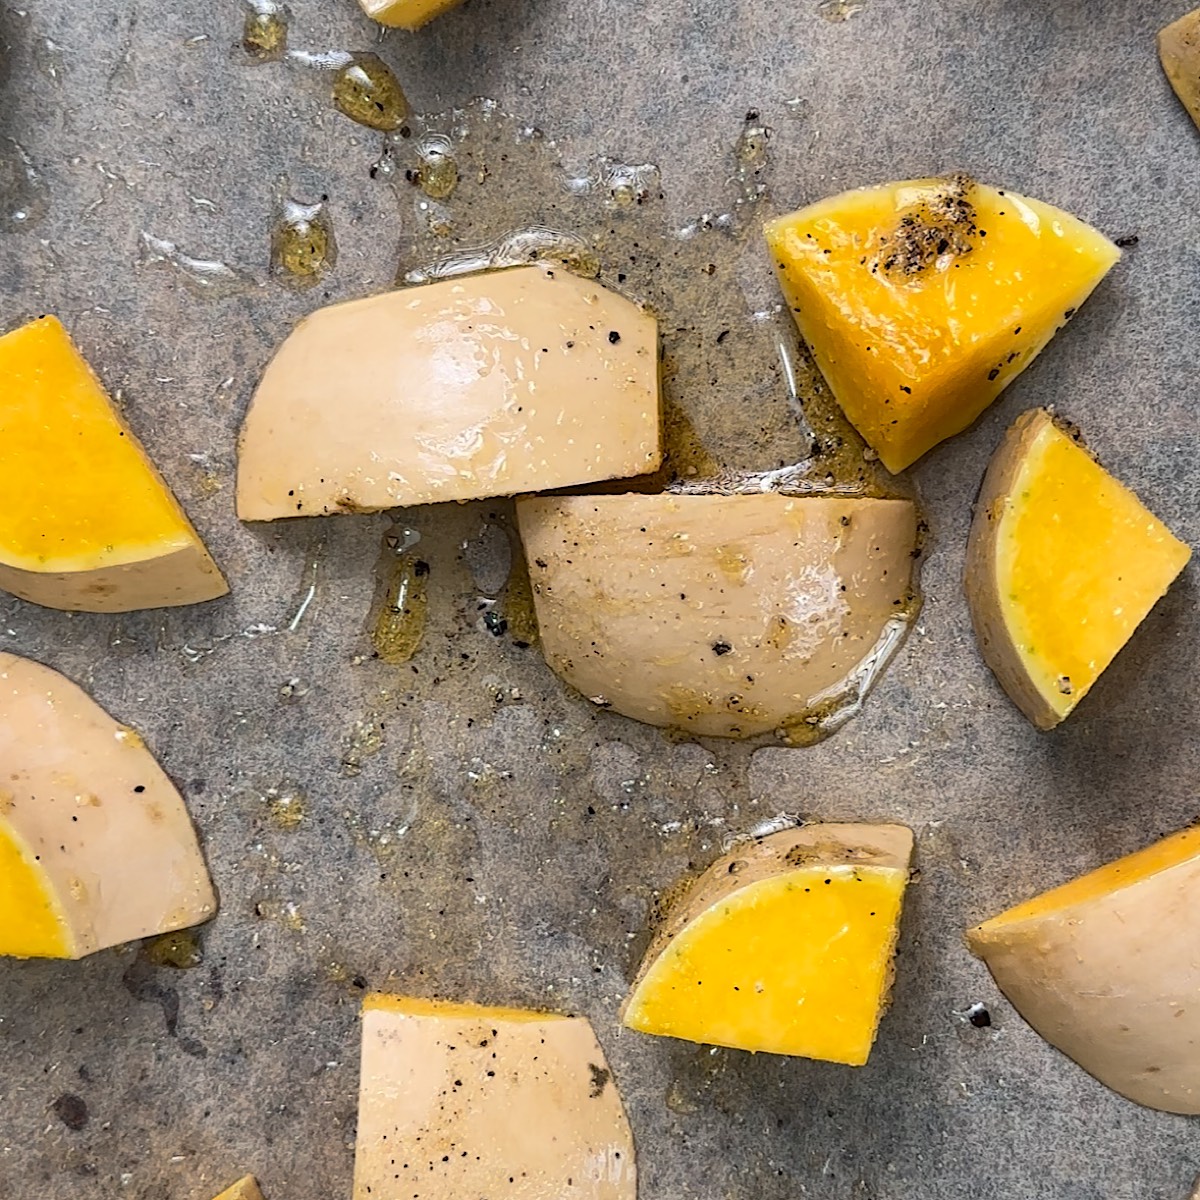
pixel 470 828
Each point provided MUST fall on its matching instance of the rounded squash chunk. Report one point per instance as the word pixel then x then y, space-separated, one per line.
pixel 96 846
pixel 1107 969
pixel 1063 564
pixel 722 615
pixel 510 381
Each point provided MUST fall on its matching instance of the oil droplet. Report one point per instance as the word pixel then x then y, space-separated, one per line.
pixel 681 1099
pixel 685 455
pixel 365 741
pixel 438 173
pixel 265 32
pixel 303 247
pixel 179 950
pixel 24 197
pixel 400 624
pixel 750 157
pixel 286 807
pixel 367 91
pixel 623 185
pixel 207 276
pixel 516 603
pixel 837 11
pixel 536 244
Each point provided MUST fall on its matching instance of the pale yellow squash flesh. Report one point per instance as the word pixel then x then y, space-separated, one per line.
pixel 921 301
pixel 246 1188
pixel 1179 51
pixel 1063 564
pixel 461 1100
pixel 86 522
pixel 1105 969
pixel 33 924
pixel 487 385
pixel 722 615
pixel 96 846
pixel 785 946
pixel 406 14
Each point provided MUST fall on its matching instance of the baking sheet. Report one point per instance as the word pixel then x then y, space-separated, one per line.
pixel 468 827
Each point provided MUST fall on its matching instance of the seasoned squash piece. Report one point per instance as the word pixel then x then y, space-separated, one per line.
pixel 458 1100
pixel 96 847
pixel 921 301
pixel 1063 564
pixel 723 615
pixel 86 523
pixel 1107 969
pixel 784 946
pixel 406 14
pixel 1179 50
pixel 246 1188
pixel 489 385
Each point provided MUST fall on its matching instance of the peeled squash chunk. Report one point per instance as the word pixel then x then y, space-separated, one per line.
pixel 1179 50
pixel 922 301
pixel 406 14
pixel 784 946
pixel 96 847
pixel 723 615
pixel 1107 969
pixel 1063 564
pixel 86 522
pixel 460 1101
pixel 487 385
pixel 245 1189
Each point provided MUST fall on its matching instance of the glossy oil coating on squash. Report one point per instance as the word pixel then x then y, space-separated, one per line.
pixel 722 615
pixel 86 522
pixel 783 947
pixel 921 301
pixel 486 385
pixel 1064 563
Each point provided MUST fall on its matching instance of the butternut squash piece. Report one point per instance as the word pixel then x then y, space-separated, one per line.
pixel 922 301
pixel 784 946
pixel 459 1100
pixel 1063 564
pixel 96 846
pixel 1106 969
pixel 86 522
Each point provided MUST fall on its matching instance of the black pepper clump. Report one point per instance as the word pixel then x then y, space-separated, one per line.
pixel 942 224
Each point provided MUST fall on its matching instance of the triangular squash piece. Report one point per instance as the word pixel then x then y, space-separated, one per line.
pixel 1064 563
pixel 782 947
pixel 86 522
pixel 921 301
pixel 96 846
